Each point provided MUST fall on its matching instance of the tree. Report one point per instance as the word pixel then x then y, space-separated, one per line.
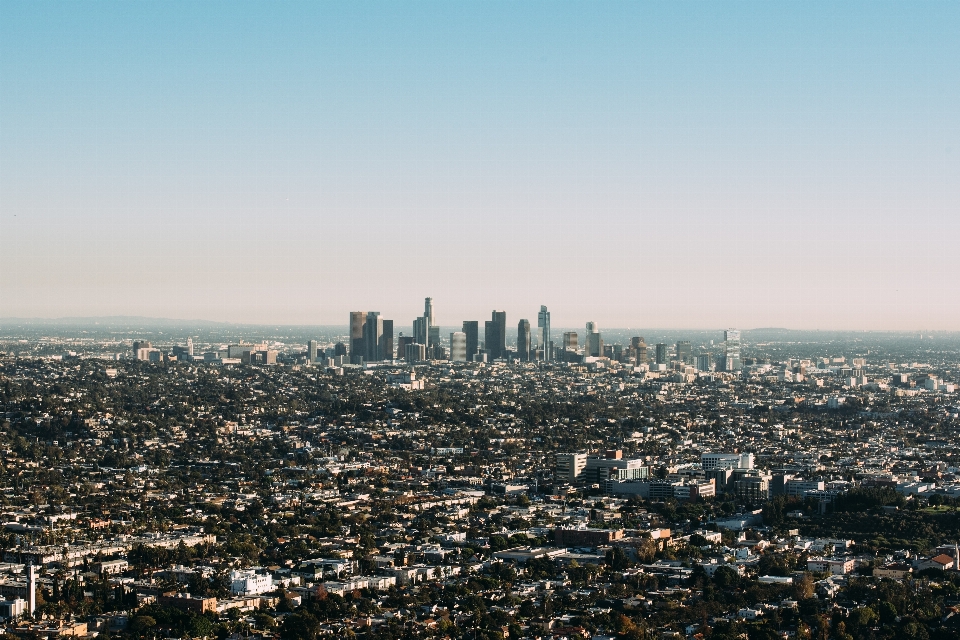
pixel 300 626
pixel 141 625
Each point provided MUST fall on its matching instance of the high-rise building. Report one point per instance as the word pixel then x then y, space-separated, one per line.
pixel 684 352
pixel 471 328
pixel 402 342
pixel 569 466
pixel 372 331
pixel 593 343
pixel 495 335
pixel 415 352
pixel 639 350
pixel 421 330
pixel 661 353
pixel 731 346
pixel 703 362
pixel 570 341
pixel 428 311
pixel 386 341
pixel 312 347
pixel 458 346
pixel 425 331
pixel 543 327
pixel 523 340
pixel 190 346
pixel 357 320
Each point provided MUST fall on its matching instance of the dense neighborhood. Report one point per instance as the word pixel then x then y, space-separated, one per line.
pixel 810 494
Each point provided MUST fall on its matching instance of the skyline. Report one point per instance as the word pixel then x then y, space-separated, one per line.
pixel 683 165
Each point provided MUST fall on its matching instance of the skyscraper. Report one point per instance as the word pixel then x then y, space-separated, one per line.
pixel 357 320
pixel 386 341
pixel 372 331
pixel 570 341
pixel 312 346
pixel 428 311
pixel 684 352
pixel 458 346
pixel 731 346
pixel 523 340
pixel 402 342
pixel 703 362
pixel 661 354
pixel 640 350
pixel 495 335
pixel 592 342
pixel 415 352
pixel 543 325
pixel 425 331
pixel 471 328
pixel 421 330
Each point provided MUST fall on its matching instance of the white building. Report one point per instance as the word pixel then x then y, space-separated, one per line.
pixel 712 461
pixel 458 346
pixel 570 466
pixel 613 466
pixel 11 609
pixel 250 583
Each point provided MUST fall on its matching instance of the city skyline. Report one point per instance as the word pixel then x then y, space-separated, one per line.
pixel 655 164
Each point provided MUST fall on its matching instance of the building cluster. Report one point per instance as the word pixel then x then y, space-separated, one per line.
pixel 538 491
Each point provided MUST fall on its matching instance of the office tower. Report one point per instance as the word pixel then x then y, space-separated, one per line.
pixel 428 311
pixel 472 330
pixel 415 352
pixel 570 341
pixel 703 362
pixel 421 330
pixel 190 346
pixel 523 340
pixel 684 352
pixel 490 339
pixel 386 341
pixel 661 353
pixel 639 350
pixel 339 349
pixel 543 326
pixel 402 342
pixel 433 338
pixel 495 335
pixel 592 343
pixel 458 346
pixel 312 347
pixel 569 467
pixel 731 346
pixel 372 330
pixel 357 320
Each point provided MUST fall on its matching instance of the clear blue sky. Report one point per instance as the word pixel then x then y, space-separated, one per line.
pixel 702 164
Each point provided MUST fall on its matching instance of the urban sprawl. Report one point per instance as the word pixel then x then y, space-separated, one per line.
pixel 170 482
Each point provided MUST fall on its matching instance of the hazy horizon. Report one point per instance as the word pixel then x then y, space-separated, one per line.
pixel 729 164
pixel 145 322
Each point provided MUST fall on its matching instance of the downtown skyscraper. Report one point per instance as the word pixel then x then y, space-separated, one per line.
pixel 543 327
pixel 523 340
pixel 495 335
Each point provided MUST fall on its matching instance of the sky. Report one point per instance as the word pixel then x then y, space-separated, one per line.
pixel 638 164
